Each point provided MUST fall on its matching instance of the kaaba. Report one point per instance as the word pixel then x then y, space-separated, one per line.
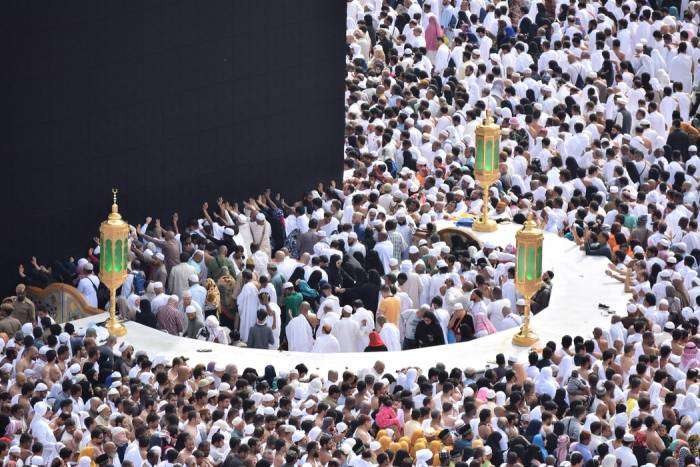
pixel 172 102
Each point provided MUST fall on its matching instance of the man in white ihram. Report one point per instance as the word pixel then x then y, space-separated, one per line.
pixel 347 331
pixel 326 342
pixel 88 285
pixel 389 333
pixel 300 336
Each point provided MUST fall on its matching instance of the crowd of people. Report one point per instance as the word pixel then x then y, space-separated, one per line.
pixel 597 104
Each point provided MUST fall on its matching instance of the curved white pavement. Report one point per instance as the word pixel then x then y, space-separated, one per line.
pixel 579 285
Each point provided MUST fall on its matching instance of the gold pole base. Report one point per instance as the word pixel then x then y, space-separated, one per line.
pixel 525 339
pixel 488 226
pixel 115 327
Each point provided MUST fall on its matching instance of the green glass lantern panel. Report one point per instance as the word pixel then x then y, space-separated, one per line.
pixel 118 256
pixel 125 260
pixel 479 154
pixel 531 263
pixel 108 256
pixel 494 153
pixel 539 262
pixel 520 265
pixel 102 254
pixel 488 155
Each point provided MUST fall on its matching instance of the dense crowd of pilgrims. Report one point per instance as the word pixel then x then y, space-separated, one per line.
pixel 597 104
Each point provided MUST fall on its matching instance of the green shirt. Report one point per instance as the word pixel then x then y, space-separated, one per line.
pixel 292 303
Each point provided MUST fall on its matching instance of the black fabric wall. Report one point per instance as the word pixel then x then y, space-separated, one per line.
pixel 173 102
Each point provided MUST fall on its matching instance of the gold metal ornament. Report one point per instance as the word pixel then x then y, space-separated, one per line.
pixel 528 275
pixel 114 256
pixel 488 138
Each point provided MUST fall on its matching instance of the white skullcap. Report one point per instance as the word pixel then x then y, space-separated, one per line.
pixel 159 256
pixel 260 217
pixel 190 310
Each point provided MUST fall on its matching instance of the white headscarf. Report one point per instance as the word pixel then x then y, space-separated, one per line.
pixel 545 382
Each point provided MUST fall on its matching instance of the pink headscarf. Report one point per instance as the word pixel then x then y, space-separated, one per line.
pixel 689 359
pixel 432 33
pixel 481 394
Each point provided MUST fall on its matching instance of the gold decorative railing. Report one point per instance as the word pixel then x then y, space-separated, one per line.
pixel 63 302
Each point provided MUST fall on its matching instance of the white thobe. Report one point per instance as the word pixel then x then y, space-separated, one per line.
pixel 300 336
pixel 178 280
pixel 276 331
pixel 362 314
pixel 248 305
pixel 347 331
pixel 43 433
pixel 326 343
pixel 391 336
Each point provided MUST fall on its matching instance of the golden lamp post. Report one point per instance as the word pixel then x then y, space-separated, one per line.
pixel 528 274
pixel 114 255
pixel 488 137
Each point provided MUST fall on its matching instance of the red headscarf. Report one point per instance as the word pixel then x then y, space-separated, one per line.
pixel 375 340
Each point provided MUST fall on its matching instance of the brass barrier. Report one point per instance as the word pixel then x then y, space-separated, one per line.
pixel 63 302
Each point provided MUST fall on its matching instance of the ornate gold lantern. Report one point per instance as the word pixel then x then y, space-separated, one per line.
pixel 114 255
pixel 488 138
pixel 528 274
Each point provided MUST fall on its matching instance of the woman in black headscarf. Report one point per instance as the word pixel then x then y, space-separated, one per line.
pixel 296 275
pixel 145 316
pixel 429 332
pixel 337 277
pixel 367 292
pixel 494 442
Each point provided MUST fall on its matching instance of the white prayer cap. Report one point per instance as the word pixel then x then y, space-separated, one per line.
pixel 229 231
pixel 287 285
pixel 489 245
pixel 219 366
pixel 631 308
pixel 445 249
pixel 41 387
pixel 174 298
pixel 212 393
pixel 341 427
pixel 441 264
pixel 268 397
pixel 190 310
pixel 663 301
pixel 159 256
pixel 113 392
pixel 520 302
pixel 353 235
pixel 638 249
pixel 15 450
pixel 193 278
pixel 147 253
pixel 224 387
pixel 87 267
pixel 63 337
pixel 102 407
pixel 614 189
pixel 374 446
pixel 406 266
pixel 6 368
pixel 692 148
pixel 413 249
pixel 74 368
pixel 260 217
pixel 665 242
pixel 37 460
pixel 297 436
pixel 27 329
pixel 43 349
pixel 669 326
pixel 393 262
